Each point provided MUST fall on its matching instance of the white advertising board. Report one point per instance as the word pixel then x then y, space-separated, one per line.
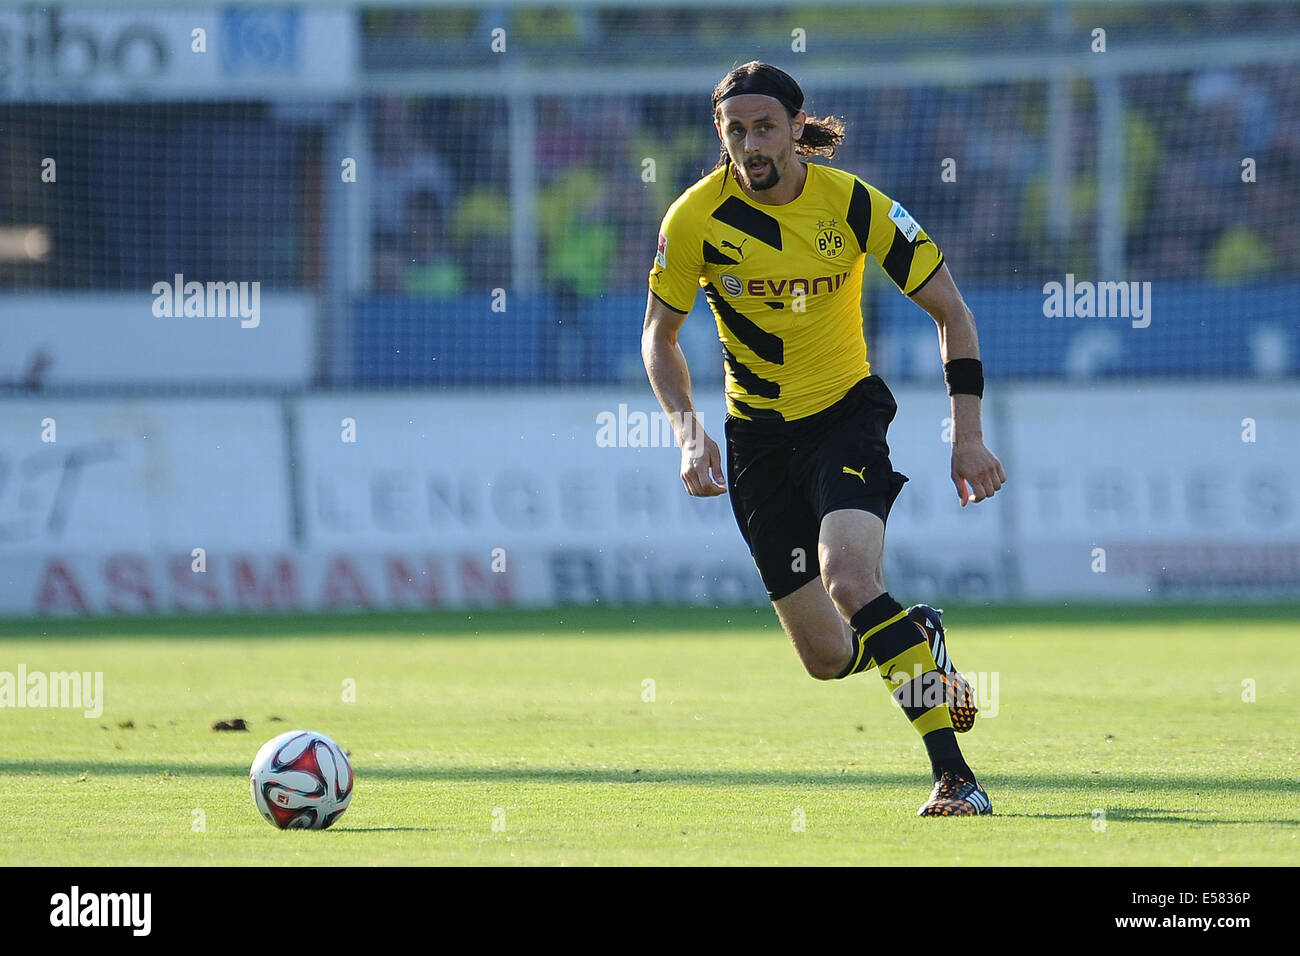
pixel 935 549
pixel 521 499
pixel 588 483
pixel 141 474
pixel 1188 491
pixel 525 473
pixel 83 51
pixel 113 338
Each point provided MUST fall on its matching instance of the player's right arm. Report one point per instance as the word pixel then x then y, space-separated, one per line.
pixel 665 364
pixel 674 285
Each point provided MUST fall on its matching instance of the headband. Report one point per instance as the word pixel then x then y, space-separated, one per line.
pixel 768 81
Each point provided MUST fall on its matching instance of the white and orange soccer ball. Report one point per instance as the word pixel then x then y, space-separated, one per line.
pixel 301 780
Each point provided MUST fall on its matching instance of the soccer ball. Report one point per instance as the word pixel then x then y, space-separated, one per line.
pixel 301 780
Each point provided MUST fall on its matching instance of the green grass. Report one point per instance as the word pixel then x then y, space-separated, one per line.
pixel 540 719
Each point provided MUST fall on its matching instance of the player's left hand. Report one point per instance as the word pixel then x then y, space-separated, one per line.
pixel 973 463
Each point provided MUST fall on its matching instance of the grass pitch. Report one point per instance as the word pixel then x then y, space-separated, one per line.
pixel 658 737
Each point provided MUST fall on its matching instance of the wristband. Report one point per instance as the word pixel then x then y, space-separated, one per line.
pixel 965 376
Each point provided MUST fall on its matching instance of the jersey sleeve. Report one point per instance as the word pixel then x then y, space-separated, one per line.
pixel 896 240
pixel 679 262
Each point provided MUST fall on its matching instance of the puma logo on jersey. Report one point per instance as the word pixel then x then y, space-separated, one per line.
pixel 740 251
pixel 860 473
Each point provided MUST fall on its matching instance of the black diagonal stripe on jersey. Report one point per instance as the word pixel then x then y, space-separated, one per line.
pixel 748 379
pixel 758 414
pixel 762 343
pixel 859 214
pixel 898 261
pixel 738 214
pixel 718 258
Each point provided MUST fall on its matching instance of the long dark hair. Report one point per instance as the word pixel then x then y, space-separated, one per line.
pixel 821 134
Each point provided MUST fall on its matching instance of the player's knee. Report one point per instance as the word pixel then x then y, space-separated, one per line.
pixel 822 656
pixel 850 589
pixel 823 668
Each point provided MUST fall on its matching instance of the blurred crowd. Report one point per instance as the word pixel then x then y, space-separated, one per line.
pixel 607 167
pixel 1209 189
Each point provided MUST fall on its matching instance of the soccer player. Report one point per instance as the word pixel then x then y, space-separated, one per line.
pixel 779 247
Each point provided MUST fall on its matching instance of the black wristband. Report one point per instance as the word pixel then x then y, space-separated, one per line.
pixel 965 376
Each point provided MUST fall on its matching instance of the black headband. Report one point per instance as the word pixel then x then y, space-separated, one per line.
pixel 766 82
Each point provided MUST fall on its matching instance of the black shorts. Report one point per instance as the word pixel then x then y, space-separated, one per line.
pixel 785 477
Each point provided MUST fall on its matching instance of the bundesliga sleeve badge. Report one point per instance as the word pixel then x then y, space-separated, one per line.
pixel 661 256
pixel 903 220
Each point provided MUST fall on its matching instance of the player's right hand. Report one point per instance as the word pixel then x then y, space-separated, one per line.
pixel 702 468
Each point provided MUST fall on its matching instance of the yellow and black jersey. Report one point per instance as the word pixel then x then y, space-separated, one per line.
pixel 785 282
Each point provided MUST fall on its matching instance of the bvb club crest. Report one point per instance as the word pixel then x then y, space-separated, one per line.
pixel 830 241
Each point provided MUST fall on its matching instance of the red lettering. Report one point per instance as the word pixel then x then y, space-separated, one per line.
pixel 129 573
pixel 280 590
pixel 425 583
pixel 343 585
pixel 476 582
pixel 184 578
pixel 58 590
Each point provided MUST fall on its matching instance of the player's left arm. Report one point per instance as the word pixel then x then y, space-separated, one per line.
pixel 972 462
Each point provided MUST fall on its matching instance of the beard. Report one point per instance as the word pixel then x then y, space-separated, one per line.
pixel 765 180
